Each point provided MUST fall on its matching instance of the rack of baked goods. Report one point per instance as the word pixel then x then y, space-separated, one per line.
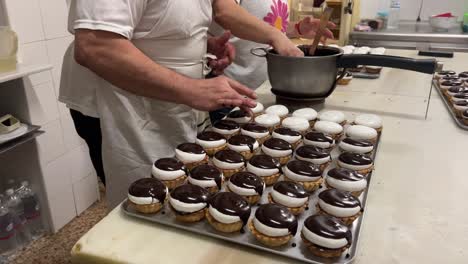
pixel 453 88
pixel 291 184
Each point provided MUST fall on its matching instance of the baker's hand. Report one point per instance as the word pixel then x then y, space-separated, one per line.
pixel 308 27
pixel 223 50
pixel 219 92
pixel 284 46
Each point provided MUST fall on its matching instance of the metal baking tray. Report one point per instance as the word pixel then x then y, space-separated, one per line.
pixel 295 249
pixel 448 104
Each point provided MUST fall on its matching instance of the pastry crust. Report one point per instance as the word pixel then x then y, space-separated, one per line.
pixel 211 151
pixel 293 210
pixel 248 154
pixel 322 252
pixel 346 220
pixel 263 139
pixel 355 194
pixel 322 167
pixel 465 121
pixel 296 144
pixel 272 179
pixel 251 199
pixel 344 81
pixel 189 218
pixel 213 189
pixel 373 71
pixel 228 173
pixel 225 228
pixel 308 186
pixel 311 123
pixel 284 160
pixel 194 164
pixel 172 184
pixel 147 208
pixel 268 240
pixel 364 172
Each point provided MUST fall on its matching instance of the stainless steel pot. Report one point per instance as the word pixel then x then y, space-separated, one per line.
pixel 315 77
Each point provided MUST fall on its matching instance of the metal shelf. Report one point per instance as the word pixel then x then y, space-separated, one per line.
pixel 32 133
pixel 22 71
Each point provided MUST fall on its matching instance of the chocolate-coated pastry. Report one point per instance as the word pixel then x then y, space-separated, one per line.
pixel 207 172
pixel 291 189
pixel 148 187
pixel 253 127
pixel 304 168
pixel 265 162
pixel 191 194
pixel 465 114
pixel 229 156
pixel 237 114
pixel 446 73
pixel 170 164
pixel 319 137
pixel 232 204
pixel 277 144
pixel 461 96
pixel 461 103
pixel 451 83
pixel 355 158
pixel 277 216
pixel 339 198
pixel 328 227
pixel 248 180
pixel 210 136
pixel 191 148
pixel 345 174
pixel 287 132
pixel 226 124
pixel 358 142
pixel 463 75
pixel 311 152
pixel 451 78
pixel 243 140
pixel 458 89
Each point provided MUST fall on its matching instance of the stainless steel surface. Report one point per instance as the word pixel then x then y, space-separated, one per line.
pixel 295 249
pixel 412 34
pixel 31 133
pixel 448 104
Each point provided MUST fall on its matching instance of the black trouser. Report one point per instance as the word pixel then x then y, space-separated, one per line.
pixel 89 129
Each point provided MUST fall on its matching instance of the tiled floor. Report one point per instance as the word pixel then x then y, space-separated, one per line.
pixel 55 249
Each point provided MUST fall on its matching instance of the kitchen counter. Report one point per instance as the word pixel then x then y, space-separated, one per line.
pixel 415 211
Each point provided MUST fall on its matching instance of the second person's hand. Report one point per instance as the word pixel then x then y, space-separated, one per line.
pixel 284 46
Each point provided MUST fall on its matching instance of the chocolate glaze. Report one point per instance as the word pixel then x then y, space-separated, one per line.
pixel 291 189
pixel 226 125
pixel 148 187
pixel 248 180
pixel 210 136
pixel 319 137
pixel 191 148
pixel 355 158
pixel 358 142
pixel 265 162
pixel 238 114
pixel 451 78
pixel 287 132
pixel 243 140
pixel 461 103
pixel 465 113
pixel 253 127
pixel 277 144
pixel 191 194
pixel 447 73
pixel 461 96
pixel 304 168
pixel 207 172
pixel 344 174
pixel 463 74
pixel 232 204
pixel 277 216
pixel 328 227
pixel 229 156
pixel 170 164
pixel 311 152
pixel 458 89
pixel 339 198
pixel 452 83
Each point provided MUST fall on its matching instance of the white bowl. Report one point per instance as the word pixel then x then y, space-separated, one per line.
pixel 442 23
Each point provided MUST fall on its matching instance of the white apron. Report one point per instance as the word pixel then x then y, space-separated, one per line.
pixel 136 130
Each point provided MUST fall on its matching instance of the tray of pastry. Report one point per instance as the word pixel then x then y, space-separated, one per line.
pixel 453 89
pixel 298 189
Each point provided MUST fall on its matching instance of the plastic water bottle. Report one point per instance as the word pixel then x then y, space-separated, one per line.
pixel 32 209
pixel 8 240
pixel 16 207
pixel 394 14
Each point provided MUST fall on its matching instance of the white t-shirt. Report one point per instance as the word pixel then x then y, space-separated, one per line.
pixel 247 68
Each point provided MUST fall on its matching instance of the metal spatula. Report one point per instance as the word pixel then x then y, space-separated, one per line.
pixel 323 24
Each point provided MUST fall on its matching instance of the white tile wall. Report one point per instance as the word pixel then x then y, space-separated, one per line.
pixel 56 48
pixel 35 53
pixel 51 144
pixel 25 19
pixel 81 166
pixel 48 102
pixel 71 138
pixel 54 18
pixel 85 192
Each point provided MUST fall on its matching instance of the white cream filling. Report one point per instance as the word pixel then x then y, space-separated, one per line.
pixel 166 175
pixel 188 157
pixel 353 167
pixel 279 110
pixel 226 165
pixel 319 161
pixel 296 123
pixel 225 131
pixel 269 231
pixel 240 190
pixel 261 172
pixel 307 113
pixel 243 147
pixel 355 149
pixel 319 144
pixel 338 211
pixel 459 107
pixel 258 108
pixel 202 183
pixel 268 120
pixel 323 241
pixel 186 207
pixel 223 218
pixel 142 200
pixel 369 120
pixel 349 186
pixel 287 138
pixel 332 116
pixel 361 132
pixel 286 200
pixel 255 135
pixel 297 177
pixel 328 127
pixel 275 153
pixel 240 120
pixel 210 144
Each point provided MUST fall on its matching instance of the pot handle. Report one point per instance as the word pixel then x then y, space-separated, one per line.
pixel 419 65
pixel 259 52
pixel 342 75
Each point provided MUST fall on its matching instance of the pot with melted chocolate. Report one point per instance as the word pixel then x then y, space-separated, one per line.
pixel 232 204
pixel 149 187
pixel 248 180
pixel 207 172
pixel 277 216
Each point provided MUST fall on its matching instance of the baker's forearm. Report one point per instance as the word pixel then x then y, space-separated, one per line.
pixel 118 61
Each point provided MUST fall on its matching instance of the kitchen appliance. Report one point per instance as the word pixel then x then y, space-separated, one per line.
pixel 314 78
